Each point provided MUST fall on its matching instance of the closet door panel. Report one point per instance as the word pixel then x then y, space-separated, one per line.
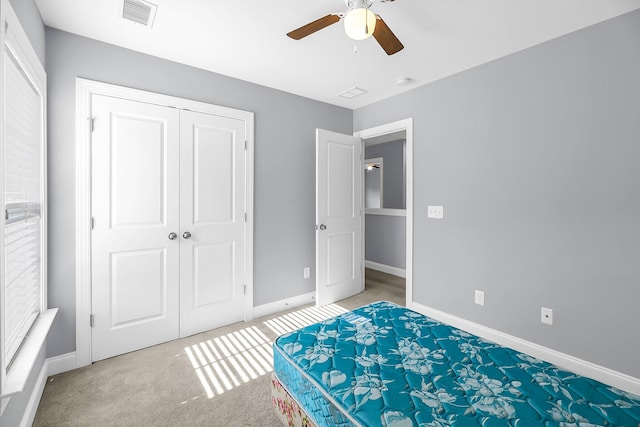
pixel 213 176
pixel 135 197
pixel 213 272
pixel 138 170
pixel 212 193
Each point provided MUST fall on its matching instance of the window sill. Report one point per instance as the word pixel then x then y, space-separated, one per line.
pixel 18 375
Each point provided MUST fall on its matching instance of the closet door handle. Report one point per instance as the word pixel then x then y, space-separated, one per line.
pixel 186 235
pixel 173 236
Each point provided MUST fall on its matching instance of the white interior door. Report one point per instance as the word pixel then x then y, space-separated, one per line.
pixel 212 229
pixel 135 207
pixel 339 225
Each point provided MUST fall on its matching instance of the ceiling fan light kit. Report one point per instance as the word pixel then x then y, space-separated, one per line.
pixel 359 24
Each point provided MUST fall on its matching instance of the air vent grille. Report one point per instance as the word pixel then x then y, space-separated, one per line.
pixel 353 92
pixel 139 11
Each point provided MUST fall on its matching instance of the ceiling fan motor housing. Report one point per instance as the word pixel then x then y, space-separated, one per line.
pixel 356 4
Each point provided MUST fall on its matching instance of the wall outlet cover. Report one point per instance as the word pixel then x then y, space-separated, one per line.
pixel 435 212
pixel 546 316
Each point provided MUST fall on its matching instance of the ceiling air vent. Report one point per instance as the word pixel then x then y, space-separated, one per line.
pixel 352 93
pixel 140 12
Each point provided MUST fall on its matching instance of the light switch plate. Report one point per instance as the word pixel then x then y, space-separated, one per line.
pixel 306 272
pixel 435 212
pixel 479 298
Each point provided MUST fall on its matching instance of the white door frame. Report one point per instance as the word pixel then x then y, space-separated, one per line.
pixel 407 126
pixel 85 89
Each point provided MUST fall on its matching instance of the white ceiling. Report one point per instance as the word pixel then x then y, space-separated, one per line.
pixel 247 39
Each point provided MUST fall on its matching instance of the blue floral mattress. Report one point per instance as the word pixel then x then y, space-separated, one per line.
pixel 385 365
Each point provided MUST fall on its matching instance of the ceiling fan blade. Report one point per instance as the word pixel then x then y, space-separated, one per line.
pixel 385 37
pixel 314 26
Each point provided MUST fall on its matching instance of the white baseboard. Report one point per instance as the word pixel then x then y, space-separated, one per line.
pixel 565 361
pixel 62 363
pixel 34 399
pixel 400 272
pixel 282 305
pixel 51 366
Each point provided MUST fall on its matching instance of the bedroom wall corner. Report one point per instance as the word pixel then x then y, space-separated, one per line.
pixel 29 16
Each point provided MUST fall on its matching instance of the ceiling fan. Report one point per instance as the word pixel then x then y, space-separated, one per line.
pixel 359 23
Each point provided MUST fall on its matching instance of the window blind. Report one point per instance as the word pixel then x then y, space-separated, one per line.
pixel 22 196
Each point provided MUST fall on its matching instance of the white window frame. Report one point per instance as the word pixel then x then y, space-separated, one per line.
pixel 14 39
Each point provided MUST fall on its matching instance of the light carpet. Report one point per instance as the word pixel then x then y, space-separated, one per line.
pixel 217 378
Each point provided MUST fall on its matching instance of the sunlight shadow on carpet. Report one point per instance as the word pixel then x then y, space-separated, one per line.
pixel 226 362
pixel 304 317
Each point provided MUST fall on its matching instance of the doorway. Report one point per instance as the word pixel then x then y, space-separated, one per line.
pixel 388 166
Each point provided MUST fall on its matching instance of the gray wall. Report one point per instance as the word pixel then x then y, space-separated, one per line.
pixel 393 171
pixel 29 18
pixel 284 189
pixel 385 240
pixel 385 236
pixel 535 159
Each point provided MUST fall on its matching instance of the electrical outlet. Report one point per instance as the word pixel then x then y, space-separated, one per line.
pixel 306 273
pixel 479 298
pixel 435 212
pixel 546 316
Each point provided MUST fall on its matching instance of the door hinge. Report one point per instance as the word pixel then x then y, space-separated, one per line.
pixel 91 120
pixel 92 223
pixel 6 214
pixel 245 217
pixel 91 320
pixel 244 289
pixel 245 145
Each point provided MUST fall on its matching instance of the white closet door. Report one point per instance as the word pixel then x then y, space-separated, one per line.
pixel 212 229
pixel 135 207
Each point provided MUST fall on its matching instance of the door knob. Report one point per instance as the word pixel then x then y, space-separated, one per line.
pixel 323 227
pixel 173 236
pixel 186 235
